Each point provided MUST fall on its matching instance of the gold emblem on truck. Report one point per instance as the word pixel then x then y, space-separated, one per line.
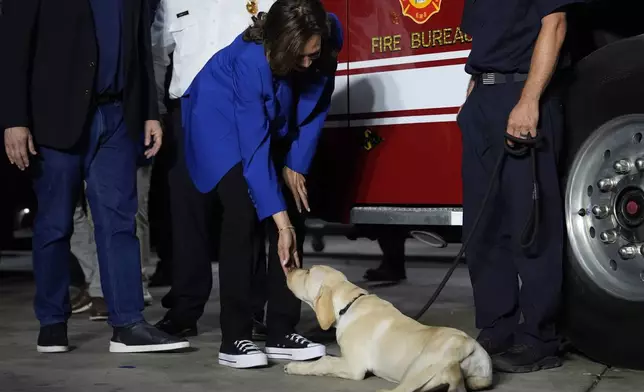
pixel 420 10
pixel 371 139
pixel 251 7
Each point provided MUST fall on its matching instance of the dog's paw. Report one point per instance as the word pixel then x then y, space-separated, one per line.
pixel 291 368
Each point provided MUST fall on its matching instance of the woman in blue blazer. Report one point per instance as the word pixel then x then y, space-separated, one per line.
pixel 254 111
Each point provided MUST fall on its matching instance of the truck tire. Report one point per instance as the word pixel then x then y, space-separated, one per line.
pixel 603 293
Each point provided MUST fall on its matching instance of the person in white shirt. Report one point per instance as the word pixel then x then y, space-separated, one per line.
pixel 185 35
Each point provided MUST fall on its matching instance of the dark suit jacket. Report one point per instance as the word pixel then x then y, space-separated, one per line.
pixel 48 66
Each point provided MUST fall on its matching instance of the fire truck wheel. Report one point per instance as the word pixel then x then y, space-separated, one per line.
pixel 603 304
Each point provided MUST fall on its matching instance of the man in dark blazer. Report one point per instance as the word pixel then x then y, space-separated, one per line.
pixel 79 104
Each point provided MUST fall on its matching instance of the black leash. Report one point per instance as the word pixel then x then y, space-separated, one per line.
pixel 519 148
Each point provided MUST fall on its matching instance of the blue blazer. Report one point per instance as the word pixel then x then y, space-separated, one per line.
pixel 234 108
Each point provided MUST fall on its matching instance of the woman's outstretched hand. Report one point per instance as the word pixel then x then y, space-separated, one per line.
pixel 286 242
pixel 287 249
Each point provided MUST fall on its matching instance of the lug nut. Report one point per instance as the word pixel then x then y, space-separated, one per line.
pixel 601 212
pixel 607 184
pixel 628 252
pixel 608 236
pixel 622 166
pixel 581 212
pixel 639 164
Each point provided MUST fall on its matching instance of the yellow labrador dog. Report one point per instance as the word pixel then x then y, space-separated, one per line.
pixel 375 337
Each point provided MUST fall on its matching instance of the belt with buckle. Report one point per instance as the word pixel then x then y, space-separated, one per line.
pixel 490 78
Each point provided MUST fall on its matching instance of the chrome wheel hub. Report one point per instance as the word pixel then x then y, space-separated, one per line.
pixel 605 207
pixel 629 211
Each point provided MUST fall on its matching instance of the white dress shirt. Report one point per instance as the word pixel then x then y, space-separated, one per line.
pixel 194 30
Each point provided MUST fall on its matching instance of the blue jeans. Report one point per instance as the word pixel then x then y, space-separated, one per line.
pixel 106 159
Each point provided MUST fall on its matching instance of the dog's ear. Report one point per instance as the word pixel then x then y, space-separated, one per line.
pixel 324 308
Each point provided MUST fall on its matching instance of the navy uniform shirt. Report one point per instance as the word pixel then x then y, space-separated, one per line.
pixel 108 18
pixel 504 32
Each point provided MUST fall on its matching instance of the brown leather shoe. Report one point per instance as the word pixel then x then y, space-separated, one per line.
pixel 99 310
pixel 81 302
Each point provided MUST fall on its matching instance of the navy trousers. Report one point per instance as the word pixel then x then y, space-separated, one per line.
pixel 495 258
pixel 106 160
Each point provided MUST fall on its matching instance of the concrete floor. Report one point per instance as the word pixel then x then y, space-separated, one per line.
pixel 91 367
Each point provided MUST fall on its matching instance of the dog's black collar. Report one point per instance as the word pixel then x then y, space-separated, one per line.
pixel 344 310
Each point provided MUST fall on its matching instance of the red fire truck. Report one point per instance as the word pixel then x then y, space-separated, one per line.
pixel 390 153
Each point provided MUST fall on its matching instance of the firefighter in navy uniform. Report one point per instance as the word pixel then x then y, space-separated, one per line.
pixel 514 57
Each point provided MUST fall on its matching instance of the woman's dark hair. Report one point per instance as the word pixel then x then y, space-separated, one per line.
pixel 285 29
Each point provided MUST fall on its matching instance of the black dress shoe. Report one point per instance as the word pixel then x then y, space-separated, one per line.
pixel 495 347
pixel 142 337
pixel 181 331
pixel 522 358
pixel 384 274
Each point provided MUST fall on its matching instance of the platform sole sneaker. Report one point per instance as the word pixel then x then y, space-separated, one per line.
pixel 241 354
pixel 296 354
pixel 293 347
pixel 243 361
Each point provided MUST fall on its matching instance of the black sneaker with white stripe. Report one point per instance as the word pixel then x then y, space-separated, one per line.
pixel 142 337
pixel 241 354
pixel 53 339
pixel 293 347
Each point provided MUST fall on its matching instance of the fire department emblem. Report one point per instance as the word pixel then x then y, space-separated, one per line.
pixel 420 10
pixel 251 7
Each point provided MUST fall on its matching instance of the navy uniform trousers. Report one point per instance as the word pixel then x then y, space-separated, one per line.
pixel 107 160
pixel 495 259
